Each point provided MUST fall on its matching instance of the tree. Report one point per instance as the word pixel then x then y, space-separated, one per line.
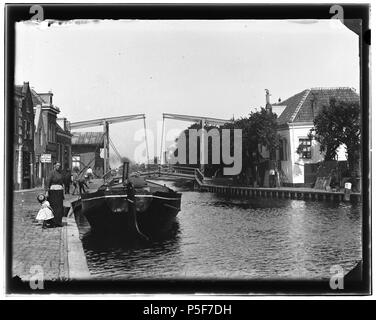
pixel 210 168
pixel 259 128
pixel 337 124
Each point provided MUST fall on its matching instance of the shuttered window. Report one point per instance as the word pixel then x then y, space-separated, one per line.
pixel 306 152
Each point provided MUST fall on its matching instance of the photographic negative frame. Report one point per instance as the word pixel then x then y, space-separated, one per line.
pixel 356 18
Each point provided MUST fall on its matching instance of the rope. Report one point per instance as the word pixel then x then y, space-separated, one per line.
pixel 115 150
pixel 146 142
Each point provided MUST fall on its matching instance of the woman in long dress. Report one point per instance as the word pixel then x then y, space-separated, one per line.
pixel 55 193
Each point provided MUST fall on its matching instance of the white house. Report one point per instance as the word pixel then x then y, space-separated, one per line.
pixel 295 119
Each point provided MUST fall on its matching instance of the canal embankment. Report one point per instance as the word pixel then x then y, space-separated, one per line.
pixel 57 252
pixel 204 184
pixel 278 192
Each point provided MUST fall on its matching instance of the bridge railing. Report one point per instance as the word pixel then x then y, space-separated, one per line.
pixel 199 176
pixel 176 169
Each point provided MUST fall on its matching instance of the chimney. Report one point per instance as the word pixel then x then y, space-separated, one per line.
pixel 268 106
pixel 50 97
pixel 47 97
pixel 68 126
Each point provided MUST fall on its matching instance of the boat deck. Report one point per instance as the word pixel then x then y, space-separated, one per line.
pixel 94 184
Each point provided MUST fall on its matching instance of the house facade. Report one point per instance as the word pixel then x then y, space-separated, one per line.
pixel 295 120
pixel 40 140
pixel 45 134
pixel 86 150
pixel 23 140
pixel 64 143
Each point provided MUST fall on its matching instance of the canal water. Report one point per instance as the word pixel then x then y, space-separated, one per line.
pixel 220 238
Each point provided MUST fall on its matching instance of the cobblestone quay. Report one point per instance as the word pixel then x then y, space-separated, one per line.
pixel 33 246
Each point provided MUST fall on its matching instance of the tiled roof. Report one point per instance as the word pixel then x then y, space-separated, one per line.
pixel 87 138
pixel 299 107
pixel 59 129
pixel 20 90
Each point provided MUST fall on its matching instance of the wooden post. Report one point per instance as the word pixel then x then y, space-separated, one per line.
pixel 347 194
pixel 147 146
pixel 202 147
pixel 106 146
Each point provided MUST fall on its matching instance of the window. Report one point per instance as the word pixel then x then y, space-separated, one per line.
pixel 40 136
pixel 29 130
pixel 282 149
pixel 25 129
pixel 76 161
pixel 305 148
pixel 51 133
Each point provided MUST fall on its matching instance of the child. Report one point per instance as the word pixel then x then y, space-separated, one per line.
pixel 82 184
pixel 45 213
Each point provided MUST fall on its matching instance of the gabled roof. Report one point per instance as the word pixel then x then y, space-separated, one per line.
pixel 36 98
pixel 304 105
pixel 59 129
pixel 18 90
pixel 21 90
pixel 88 138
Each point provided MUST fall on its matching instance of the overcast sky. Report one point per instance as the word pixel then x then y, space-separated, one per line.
pixel 212 68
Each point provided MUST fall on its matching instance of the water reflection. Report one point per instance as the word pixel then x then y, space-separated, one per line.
pixel 241 239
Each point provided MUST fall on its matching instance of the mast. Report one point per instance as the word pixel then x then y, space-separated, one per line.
pixel 106 147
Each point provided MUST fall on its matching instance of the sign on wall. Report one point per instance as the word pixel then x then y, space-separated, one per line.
pixel 45 157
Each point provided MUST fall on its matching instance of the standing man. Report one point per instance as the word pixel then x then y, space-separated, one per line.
pixel 67 180
pixel 82 184
pixel 272 177
pixel 55 193
pixel 89 173
pixel 75 179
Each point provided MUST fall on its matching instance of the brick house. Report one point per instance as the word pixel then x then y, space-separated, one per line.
pixel 64 143
pixel 295 119
pixel 45 132
pixel 23 140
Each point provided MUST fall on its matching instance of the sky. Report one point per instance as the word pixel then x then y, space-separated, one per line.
pixel 214 68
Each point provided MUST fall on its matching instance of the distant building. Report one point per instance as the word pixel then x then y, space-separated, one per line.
pixel 295 120
pixel 23 140
pixel 86 150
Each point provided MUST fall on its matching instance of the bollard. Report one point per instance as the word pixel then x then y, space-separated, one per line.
pixel 347 191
